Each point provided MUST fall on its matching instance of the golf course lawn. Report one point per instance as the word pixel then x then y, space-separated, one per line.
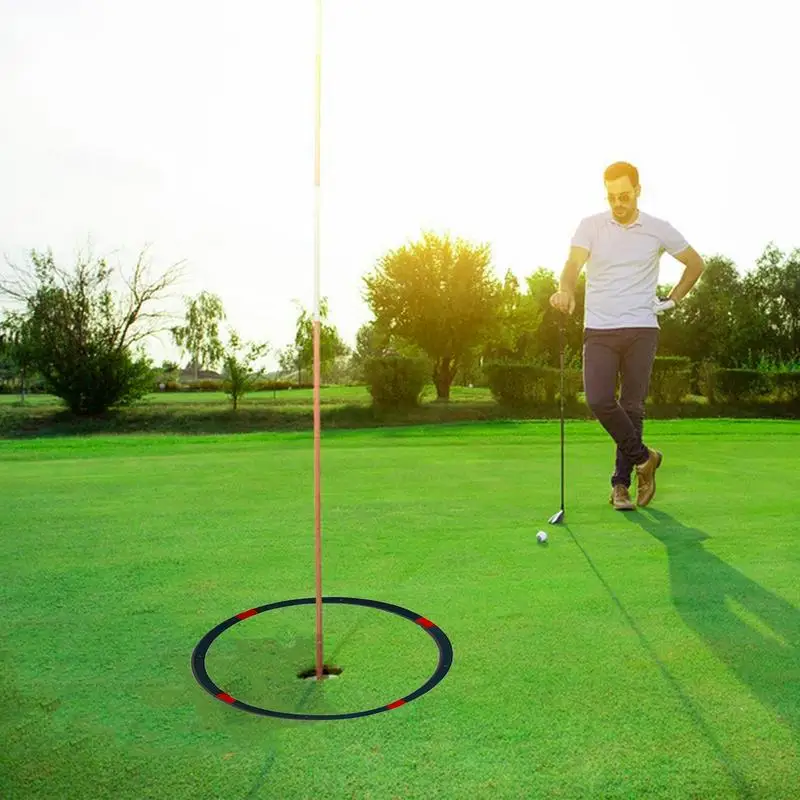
pixel 653 654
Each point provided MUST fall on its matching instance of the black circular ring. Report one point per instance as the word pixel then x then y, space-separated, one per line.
pixel 437 634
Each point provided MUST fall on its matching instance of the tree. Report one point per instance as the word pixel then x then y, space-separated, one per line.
pixel 199 337
pixel 541 286
pixel 373 341
pixel 512 336
pixel 238 374
pixel 703 326
pixel 300 355
pixel 338 371
pixel 288 360
pixel 79 336
pixel 501 338
pixel 439 295
pixel 528 326
pixel 768 321
pixel 16 352
pixel 673 335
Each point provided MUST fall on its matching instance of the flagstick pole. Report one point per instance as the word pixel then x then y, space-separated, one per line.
pixel 316 324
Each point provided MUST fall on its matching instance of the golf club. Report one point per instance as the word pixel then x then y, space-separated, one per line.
pixel 559 515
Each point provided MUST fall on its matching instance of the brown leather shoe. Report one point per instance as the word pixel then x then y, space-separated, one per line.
pixel 621 499
pixel 646 477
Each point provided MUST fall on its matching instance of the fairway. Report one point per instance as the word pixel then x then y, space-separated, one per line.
pixel 652 654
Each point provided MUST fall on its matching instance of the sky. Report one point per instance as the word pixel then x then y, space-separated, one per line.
pixel 189 126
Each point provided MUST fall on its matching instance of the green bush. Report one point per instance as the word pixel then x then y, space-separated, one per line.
pixel 396 382
pixel 787 385
pixel 104 379
pixel 169 386
pixel 289 386
pixel 734 385
pixel 671 379
pixel 707 381
pixel 518 385
pixel 573 384
pixel 13 387
pixel 261 385
pixel 207 385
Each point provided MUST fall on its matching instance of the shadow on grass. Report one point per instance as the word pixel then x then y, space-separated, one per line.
pixel 724 759
pixel 762 652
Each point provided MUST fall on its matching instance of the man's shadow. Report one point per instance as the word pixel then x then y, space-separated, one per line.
pixel 764 654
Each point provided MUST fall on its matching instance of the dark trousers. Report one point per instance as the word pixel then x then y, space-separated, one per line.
pixel 628 352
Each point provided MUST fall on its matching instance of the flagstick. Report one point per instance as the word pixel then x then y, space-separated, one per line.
pixel 316 323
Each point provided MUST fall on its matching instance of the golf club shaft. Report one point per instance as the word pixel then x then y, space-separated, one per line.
pixel 561 348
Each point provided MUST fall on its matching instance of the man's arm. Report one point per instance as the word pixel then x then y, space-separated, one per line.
pixel 578 256
pixel 694 269
pixel 564 298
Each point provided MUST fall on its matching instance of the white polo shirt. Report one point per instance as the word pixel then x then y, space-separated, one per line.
pixel 622 270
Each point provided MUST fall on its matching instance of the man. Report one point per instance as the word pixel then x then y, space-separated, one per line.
pixel 622 249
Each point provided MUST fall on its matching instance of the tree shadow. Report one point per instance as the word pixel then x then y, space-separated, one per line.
pixel 753 632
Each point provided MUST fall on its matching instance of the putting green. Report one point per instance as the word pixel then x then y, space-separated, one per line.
pixel 651 654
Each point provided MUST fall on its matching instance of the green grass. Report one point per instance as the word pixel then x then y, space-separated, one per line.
pixel 335 395
pixel 654 654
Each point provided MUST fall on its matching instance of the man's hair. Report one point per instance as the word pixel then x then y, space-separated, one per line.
pixel 620 170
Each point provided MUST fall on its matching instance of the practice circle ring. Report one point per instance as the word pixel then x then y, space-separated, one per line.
pixel 436 633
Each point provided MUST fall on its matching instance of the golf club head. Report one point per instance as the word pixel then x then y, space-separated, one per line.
pixel 556 518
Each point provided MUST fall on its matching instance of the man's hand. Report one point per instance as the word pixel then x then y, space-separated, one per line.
pixel 563 301
pixel 660 306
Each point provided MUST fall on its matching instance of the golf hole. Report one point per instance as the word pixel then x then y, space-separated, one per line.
pixel 328 671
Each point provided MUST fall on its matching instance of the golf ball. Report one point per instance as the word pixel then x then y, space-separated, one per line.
pixel 541 536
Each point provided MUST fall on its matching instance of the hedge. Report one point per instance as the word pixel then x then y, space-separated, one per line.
pixel 518 385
